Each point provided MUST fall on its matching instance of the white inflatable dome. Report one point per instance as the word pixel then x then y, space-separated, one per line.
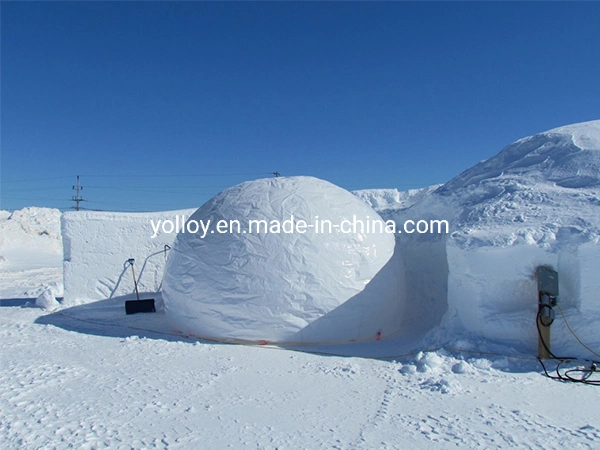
pixel 283 287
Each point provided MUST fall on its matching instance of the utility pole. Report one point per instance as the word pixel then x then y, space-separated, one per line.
pixel 77 197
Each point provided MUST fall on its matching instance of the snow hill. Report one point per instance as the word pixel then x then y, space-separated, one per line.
pixel 543 189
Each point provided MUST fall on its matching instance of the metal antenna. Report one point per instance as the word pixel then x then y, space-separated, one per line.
pixel 77 197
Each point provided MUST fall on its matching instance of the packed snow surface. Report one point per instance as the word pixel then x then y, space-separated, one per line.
pixel 314 285
pixel 68 381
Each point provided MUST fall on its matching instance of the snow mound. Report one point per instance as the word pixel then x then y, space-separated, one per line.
pixel 541 190
pixel 567 156
pixel 30 238
pixel 31 226
pixel 47 301
pixel 283 287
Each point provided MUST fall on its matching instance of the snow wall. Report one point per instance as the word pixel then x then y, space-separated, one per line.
pixel 284 287
pixel 96 246
pixel 492 292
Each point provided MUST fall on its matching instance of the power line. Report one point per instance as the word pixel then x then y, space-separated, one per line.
pixel 156 187
pixel 196 175
pixel 35 179
pixel 39 188
pixel 153 176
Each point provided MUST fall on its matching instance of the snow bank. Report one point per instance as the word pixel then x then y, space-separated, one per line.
pixel 284 287
pixel 30 238
pixel 97 246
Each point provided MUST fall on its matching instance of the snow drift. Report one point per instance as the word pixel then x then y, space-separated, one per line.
pixel 30 252
pixel 30 238
pixel 283 287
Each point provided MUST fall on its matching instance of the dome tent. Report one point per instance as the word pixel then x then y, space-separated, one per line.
pixel 282 287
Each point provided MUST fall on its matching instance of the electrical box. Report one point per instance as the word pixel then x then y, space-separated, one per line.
pixel 547 281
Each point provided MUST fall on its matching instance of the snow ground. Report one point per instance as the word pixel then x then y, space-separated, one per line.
pixel 70 383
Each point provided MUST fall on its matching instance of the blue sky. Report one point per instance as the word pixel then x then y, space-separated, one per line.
pixel 162 105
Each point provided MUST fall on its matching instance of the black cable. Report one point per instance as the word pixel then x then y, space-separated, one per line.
pixel 546 371
pixel 585 379
pixel 566 375
pixel 537 324
pixel 558 370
